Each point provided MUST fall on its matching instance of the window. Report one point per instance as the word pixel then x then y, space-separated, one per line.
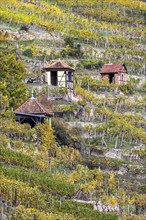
pixel 122 77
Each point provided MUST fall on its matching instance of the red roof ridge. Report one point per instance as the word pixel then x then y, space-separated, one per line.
pixel 112 68
pixel 59 64
pixel 40 105
pixel 32 105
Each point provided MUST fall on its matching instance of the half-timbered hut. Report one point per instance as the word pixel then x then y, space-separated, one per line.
pixel 114 73
pixel 60 74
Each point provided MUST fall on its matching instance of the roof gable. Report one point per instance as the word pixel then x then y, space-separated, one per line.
pixel 32 106
pixel 112 68
pixel 58 65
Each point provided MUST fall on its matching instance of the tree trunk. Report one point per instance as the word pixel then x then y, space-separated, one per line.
pixel 117 106
pixel 102 138
pixel 103 141
pixel 122 138
pixel 116 143
pixel 50 165
pixel 130 141
pixel 89 149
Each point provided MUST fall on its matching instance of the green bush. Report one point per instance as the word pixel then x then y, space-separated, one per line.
pixel 28 53
pixel 84 211
pixel 127 88
pixel 12 157
pixel 69 41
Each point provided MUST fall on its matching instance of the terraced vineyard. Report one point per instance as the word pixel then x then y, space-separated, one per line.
pixel 105 30
pixel 91 163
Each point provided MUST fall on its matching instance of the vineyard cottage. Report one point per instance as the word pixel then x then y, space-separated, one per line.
pixel 60 74
pixel 115 73
pixel 32 112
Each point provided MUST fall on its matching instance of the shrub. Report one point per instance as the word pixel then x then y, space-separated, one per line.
pixel 127 88
pixel 69 41
pixel 24 28
pixel 28 53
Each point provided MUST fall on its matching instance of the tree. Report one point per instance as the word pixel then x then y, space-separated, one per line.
pixel 12 85
pixel 46 139
pixel 140 203
pixel 112 182
pixel 69 41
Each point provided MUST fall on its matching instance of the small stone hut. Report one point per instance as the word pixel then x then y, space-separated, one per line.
pixel 115 73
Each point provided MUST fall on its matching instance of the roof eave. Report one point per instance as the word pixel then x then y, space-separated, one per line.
pixel 58 69
pixel 108 72
pixel 34 114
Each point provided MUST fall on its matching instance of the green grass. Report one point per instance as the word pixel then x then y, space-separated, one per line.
pixel 12 26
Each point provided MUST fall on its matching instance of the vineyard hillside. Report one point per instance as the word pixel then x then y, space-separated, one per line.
pixel 78 156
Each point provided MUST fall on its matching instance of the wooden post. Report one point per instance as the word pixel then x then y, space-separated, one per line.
pixel 50 122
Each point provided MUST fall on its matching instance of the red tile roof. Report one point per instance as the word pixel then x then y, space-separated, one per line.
pixel 32 106
pixel 58 65
pixel 112 68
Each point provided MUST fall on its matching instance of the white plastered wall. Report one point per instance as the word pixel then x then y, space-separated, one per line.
pixel 48 78
pixel 61 76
